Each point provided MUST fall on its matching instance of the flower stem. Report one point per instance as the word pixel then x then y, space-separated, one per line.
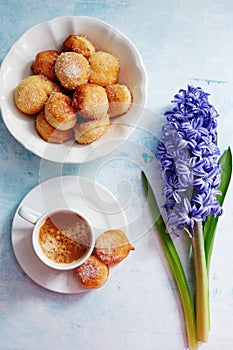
pixel 201 282
pixel 175 265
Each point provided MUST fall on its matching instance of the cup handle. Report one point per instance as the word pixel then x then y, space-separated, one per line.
pixel 29 214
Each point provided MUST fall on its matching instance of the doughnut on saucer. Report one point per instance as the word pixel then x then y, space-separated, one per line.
pixel 72 69
pixel 44 64
pixel 92 273
pixel 59 111
pixel 32 92
pixel 112 246
pixel 119 99
pixel 104 68
pixel 91 101
pixel 48 133
pixel 80 44
pixel 87 131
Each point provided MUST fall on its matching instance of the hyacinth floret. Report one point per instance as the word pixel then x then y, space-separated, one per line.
pixel 188 157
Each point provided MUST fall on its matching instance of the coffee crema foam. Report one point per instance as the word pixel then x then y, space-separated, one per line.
pixel 64 237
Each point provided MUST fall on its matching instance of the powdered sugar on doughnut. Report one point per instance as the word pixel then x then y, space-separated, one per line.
pixel 72 69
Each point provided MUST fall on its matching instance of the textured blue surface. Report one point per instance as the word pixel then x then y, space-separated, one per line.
pixel 180 42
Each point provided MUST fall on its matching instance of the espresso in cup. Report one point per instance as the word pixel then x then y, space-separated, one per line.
pixel 64 237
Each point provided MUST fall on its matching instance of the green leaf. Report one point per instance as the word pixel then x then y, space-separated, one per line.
pixel 175 265
pixel 210 224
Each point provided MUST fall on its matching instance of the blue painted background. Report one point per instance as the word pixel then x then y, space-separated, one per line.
pixel 181 42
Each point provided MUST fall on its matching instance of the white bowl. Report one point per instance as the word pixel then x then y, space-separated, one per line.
pixel 50 35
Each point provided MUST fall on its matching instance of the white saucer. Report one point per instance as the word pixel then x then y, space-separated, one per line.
pixel 90 198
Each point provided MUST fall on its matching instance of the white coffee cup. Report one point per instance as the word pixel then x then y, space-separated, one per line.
pixel 39 220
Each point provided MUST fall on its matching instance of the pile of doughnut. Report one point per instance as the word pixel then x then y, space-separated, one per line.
pixel 73 92
pixel 111 247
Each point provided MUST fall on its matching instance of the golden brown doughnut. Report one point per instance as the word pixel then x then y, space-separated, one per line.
pixel 119 99
pixel 44 64
pixel 59 111
pixel 49 133
pixel 78 43
pixel 92 273
pixel 32 92
pixel 104 68
pixel 91 101
pixel 72 69
pixel 87 131
pixel 112 246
